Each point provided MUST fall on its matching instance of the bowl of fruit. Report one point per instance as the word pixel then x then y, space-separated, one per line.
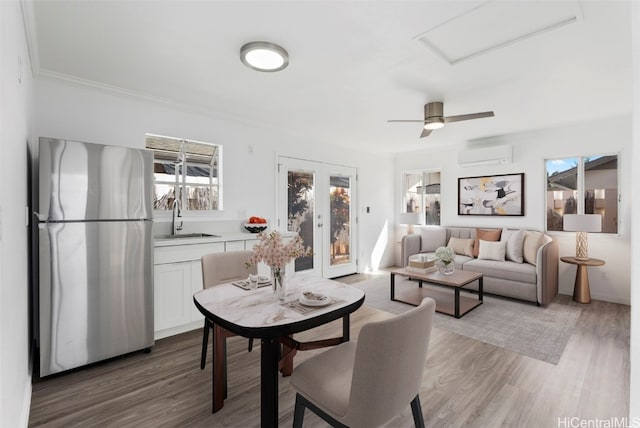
pixel 256 224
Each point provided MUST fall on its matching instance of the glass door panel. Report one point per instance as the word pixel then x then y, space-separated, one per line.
pixel 300 212
pixel 340 219
pixel 340 257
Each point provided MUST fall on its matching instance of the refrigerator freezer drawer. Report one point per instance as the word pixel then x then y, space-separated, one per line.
pixel 96 292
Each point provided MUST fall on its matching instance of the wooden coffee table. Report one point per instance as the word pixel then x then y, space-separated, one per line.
pixel 456 306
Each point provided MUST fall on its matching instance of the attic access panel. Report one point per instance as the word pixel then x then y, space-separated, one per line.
pixel 494 25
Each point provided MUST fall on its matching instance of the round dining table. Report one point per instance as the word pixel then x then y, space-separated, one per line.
pixel 258 314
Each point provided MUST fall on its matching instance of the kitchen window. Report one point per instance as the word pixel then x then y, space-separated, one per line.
pixel 187 171
pixel 421 194
pixel 582 185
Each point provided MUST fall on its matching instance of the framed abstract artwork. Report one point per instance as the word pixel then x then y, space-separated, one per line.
pixel 499 195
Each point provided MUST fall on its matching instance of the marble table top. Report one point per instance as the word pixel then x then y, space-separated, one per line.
pixel 260 308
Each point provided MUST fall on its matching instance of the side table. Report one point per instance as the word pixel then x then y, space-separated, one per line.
pixel 581 293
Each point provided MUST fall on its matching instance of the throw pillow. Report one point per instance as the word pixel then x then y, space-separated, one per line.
pixel 492 235
pixel 492 250
pixel 461 246
pixel 515 244
pixel 432 238
pixel 532 241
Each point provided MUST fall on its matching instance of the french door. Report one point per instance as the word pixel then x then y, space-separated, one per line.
pixel 318 201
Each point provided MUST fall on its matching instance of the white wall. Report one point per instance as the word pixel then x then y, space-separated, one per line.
pixel 634 398
pixel 70 111
pixel 16 105
pixel 610 282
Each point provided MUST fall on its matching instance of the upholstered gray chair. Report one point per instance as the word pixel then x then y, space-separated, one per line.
pixel 218 268
pixel 368 382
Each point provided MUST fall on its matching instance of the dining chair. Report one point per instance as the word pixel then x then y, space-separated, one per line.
pixel 368 382
pixel 218 268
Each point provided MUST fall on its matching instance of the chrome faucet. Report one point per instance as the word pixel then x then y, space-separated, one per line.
pixel 175 212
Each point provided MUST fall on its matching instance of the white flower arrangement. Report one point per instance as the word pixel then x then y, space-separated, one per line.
pixel 274 252
pixel 445 254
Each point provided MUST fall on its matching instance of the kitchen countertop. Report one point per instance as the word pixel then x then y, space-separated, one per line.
pixel 220 237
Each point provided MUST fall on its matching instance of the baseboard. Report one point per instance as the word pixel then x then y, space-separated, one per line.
pixel 599 296
pixel 610 298
pixel 161 334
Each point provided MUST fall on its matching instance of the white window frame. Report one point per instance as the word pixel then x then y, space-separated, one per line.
pixel 403 192
pixel 580 188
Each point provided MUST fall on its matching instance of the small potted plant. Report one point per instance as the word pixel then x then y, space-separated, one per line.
pixel 445 256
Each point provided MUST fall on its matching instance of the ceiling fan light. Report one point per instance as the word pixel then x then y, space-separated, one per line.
pixel 264 56
pixel 434 123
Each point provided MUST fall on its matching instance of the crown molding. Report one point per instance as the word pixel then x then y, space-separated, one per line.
pixel 28 19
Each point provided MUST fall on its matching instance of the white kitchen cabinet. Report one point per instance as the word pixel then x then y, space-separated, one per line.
pixel 172 282
pixel 234 246
pixel 249 243
pixel 196 285
pixel 177 276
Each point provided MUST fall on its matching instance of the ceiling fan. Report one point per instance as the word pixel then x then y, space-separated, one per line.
pixel 434 119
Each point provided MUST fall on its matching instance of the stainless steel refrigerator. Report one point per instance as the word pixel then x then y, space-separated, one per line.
pixel 95 253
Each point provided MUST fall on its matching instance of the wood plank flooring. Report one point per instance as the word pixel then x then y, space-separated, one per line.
pixel 466 382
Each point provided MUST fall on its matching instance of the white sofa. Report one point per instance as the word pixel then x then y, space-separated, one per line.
pixel 533 278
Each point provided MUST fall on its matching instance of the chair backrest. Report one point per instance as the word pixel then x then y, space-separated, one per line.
pixel 218 268
pixel 389 365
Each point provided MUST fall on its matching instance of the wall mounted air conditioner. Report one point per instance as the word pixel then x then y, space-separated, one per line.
pixel 485 156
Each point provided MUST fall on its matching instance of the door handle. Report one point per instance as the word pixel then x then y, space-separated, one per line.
pixel 319 224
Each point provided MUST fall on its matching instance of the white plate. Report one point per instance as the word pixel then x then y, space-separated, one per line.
pixel 323 301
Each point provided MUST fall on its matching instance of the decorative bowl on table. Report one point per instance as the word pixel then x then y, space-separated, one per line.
pixel 256 227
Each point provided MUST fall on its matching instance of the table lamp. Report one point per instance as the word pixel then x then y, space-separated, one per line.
pixel 409 219
pixel 582 223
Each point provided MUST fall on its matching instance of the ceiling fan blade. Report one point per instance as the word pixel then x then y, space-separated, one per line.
pixel 407 120
pixel 461 117
pixel 425 133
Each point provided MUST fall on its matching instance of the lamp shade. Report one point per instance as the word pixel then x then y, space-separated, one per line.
pixel 582 222
pixel 408 218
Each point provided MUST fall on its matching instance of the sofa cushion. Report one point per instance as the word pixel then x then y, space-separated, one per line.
pixel 532 241
pixel 462 232
pixel 432 238
pixel 461 246
pixel 486 235
pixel 515 244
pixel 522 272
pixel 492 250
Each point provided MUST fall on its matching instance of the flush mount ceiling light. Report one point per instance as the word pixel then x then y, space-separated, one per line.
pixel 264 56
pixel 434 123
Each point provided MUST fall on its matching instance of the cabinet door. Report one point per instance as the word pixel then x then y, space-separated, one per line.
pixel 196 285
pixel 172 295
pixel 234 246
pixel 249 243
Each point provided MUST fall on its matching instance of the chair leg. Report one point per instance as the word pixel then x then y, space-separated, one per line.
pixel 205 343
pixel 416 409
pixel 298 414
pixel 302 403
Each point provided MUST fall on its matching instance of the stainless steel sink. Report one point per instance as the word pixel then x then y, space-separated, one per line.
pixel 187 235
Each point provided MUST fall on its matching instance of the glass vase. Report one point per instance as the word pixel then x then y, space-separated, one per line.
pixel 446 268
pixel 279 285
